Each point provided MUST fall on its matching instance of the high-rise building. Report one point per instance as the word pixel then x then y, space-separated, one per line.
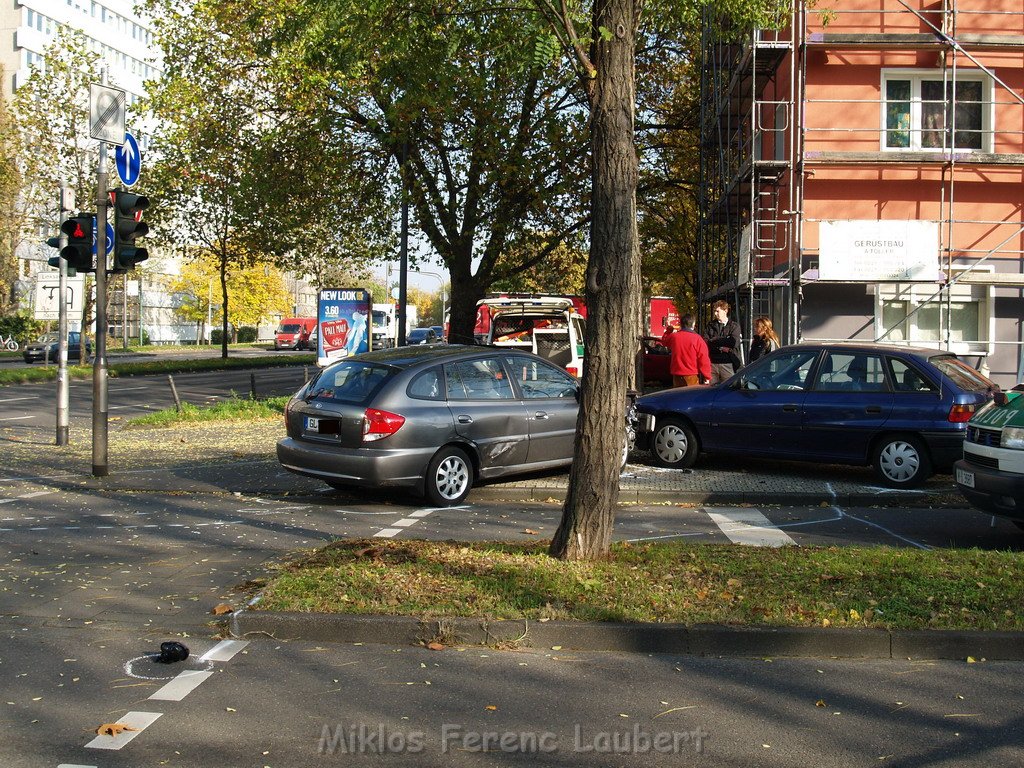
pixel 114 30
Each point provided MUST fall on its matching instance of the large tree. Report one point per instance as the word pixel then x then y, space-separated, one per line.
pixel 10 183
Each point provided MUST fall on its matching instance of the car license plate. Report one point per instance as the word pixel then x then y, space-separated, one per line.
pixel 965 478
pixel 312 425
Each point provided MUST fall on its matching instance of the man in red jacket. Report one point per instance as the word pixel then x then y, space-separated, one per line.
pixel 690 360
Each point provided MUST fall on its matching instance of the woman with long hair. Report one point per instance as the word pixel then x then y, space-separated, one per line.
pixel 765 338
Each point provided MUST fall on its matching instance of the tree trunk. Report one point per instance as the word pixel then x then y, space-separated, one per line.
pixel 612 293
pixel 224 304
pixel 466 292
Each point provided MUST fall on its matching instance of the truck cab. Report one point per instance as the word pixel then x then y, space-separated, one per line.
pixel 549 326
pixel 294 333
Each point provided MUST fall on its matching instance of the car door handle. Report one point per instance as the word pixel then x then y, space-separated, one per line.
pixel 789 408
pixel 541 415
pixel 873 409
pixel 464 419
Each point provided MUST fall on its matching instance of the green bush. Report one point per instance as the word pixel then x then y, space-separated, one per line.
pixel 21 327
pixel 216 335
pixel 246 334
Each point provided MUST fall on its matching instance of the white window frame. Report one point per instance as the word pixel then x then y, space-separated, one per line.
pixel 916 76
pixel 916 294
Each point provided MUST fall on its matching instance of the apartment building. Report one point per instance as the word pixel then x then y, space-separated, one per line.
pixel 862 174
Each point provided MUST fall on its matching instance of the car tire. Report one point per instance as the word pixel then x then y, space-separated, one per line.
pixel 449 477
pixel 901 461
pixel 673 444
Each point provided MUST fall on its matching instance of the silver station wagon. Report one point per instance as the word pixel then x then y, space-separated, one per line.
pixel 433 419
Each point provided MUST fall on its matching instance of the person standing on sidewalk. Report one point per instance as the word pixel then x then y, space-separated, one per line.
pixel 765 338
pixel 723 338
pixel 690 363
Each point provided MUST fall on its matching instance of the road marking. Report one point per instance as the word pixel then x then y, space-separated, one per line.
pixel 747 526
pixel 17 418
pixel 12 399
pixel 224 650
pixel 34 494
pixel 69 765
pixel 405 522
pixel 182 685
pixel 420 513
pixel 387 533
pixel 140 721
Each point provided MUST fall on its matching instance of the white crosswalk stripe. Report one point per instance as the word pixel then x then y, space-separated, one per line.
pixel 748 526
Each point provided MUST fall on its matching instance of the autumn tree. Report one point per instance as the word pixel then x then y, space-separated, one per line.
pixel 10 184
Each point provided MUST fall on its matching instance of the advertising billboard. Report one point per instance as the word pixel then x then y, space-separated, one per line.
pixel 342 324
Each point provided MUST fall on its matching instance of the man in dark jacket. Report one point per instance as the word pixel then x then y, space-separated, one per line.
pixel 723 338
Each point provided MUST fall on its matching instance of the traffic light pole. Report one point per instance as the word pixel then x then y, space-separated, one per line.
pixel 99 366
pixel 63 385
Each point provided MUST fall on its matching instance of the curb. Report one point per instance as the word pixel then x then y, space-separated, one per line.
pixel 680 639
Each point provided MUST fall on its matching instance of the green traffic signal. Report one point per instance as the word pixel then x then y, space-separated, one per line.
pixel 78 251
pixel 128 225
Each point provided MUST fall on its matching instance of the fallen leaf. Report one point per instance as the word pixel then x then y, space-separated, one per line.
pixel 435 646
pixel 970 660
pixel 220 610
pixel 530 531
pixel 491 707
pixel 820 703
pixel 113 729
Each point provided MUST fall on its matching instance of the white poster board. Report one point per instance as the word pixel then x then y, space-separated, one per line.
pixel 47 305
pixel 879 251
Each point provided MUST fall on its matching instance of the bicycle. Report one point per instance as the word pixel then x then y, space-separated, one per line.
pixel 9 344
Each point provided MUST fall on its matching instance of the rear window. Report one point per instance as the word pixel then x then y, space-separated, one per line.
pixel 350 382
pixel 962 374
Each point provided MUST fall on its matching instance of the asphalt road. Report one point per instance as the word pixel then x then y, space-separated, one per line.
pixel 93 579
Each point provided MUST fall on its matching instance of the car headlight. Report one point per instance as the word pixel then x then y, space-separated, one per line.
pixel 1012 437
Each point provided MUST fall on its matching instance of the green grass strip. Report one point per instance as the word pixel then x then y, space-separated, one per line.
pixel 235 409
pixel 662 582
pixel 150 367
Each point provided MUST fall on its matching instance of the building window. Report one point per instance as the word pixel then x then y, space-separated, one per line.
pixel 928 323
pixel 921 113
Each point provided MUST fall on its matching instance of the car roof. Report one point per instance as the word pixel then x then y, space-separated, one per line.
pixel 873 346
pixel 407 357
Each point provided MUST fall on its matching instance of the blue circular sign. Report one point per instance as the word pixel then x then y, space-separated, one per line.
pixel 128 160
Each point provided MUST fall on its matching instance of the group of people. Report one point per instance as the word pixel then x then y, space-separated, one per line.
pixel 714 356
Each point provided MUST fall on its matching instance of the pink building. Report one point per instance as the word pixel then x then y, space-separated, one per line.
pixel 863 175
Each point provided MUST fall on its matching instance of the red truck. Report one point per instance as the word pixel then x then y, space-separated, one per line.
pixel 294 333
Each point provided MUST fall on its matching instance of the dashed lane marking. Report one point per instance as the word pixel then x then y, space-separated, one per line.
pixel 182 685
pixel 139 721
pixel 387 533
pixel 747 526
pixel 225 650
pixel 17 418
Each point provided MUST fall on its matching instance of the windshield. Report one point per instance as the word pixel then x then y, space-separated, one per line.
pixel 962 374
pixel 289 328
pixel 350 382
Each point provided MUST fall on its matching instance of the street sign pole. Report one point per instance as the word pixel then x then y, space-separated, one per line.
pixel 99 364
pixel 63 385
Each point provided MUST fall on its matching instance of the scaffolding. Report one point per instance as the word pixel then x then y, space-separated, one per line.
pixel 771 121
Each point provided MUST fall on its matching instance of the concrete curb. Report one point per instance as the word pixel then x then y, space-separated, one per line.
pixel 697 640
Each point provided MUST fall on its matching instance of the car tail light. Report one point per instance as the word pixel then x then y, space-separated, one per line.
pixel 380 424
pixel 573 371
pixel 958 414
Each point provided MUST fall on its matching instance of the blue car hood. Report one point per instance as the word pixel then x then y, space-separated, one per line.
pixel 680 399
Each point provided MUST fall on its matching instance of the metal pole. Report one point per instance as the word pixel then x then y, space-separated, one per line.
pixel 403 270
pixel 124 311
pixel 63 385
pixel 140 308
pixel 99 366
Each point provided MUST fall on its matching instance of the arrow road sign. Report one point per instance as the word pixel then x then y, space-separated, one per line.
pixel 106 113
pixel 129 160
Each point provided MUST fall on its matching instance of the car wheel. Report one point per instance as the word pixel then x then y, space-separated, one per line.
pixel 449 477
pixel 674 444
pixel 902 462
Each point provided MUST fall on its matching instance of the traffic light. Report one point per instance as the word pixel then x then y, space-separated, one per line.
pixel 54 261
pixel 78 251
pixel 128 225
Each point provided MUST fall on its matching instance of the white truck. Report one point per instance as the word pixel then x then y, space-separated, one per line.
pixel 385 324
pixel 549 326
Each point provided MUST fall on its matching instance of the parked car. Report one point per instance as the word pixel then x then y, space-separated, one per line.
pixel 46 348
pixel 656 361
pixel 991 473
pixel 438 331
pixel 436 419
pixel 422 336
pixel 902 410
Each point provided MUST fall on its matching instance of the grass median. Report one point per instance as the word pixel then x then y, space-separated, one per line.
pixel 673 582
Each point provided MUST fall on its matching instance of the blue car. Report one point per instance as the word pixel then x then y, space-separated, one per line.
pixel 902 410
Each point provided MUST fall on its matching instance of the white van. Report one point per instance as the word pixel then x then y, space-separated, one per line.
pixel 548 326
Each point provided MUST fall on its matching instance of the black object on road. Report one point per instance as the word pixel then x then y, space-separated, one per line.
pixel 171 652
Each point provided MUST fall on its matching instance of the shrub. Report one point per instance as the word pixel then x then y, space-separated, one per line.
pixel 246 334
pixel 21 327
